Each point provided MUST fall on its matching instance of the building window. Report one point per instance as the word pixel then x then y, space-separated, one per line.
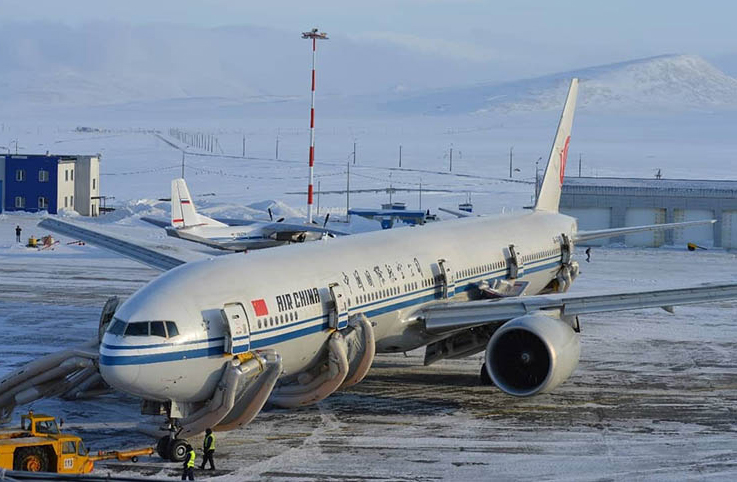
pixel 43 203
pixel 20 175
pixel 71 202
pixel 66 202
pixel 20 202
pixel 72 175
pixel 43 176
pixel 66 174
pixel 93 183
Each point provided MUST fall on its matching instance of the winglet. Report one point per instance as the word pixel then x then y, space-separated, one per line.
pixel 183 212
pixel 549 196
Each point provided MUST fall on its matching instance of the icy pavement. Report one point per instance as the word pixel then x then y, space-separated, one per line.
pixel 654 396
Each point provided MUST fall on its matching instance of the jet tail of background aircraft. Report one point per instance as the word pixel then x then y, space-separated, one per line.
pixel 549 196
pixel 183 212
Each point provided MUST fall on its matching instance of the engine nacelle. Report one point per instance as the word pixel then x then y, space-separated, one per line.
pixel 532 354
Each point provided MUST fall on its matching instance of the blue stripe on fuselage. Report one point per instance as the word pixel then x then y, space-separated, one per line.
pixel 429 295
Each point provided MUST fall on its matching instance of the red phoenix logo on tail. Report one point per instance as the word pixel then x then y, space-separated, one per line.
pixel 563 159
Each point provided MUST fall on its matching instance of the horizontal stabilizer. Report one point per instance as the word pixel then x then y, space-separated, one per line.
pixel 610 233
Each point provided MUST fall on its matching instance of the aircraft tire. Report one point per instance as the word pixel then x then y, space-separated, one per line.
pixel 177 450
pixel 162 447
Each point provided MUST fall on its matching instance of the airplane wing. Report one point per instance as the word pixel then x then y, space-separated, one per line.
pixel 162 223
pixel 457 213
pixel 451 317
pixel 608 233
pixel 154 256
pixel 282 227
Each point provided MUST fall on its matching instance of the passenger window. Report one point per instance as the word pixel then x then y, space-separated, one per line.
pixel 68 448
pixel 171 328
pixel 137 329
pixel 81 450
pixel 157 329
pixel 117 327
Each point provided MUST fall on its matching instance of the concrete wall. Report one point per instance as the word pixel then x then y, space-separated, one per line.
pixel 729 229
pixel 66 198
pixel 642 217
pixel 647 201
pixel 591 219
pixel 87 185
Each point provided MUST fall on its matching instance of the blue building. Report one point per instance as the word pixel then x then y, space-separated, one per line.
pixel 48 183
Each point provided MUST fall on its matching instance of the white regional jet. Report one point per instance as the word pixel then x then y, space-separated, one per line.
pixel 208 342
pixel 188 224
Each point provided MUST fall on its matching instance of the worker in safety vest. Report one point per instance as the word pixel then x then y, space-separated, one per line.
pixel 188 465
pixel 208 447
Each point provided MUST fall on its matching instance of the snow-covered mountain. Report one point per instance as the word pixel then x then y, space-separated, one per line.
pixel 666 83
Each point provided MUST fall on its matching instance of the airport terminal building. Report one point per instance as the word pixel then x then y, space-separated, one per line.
pixel 601 203
pixel 41 182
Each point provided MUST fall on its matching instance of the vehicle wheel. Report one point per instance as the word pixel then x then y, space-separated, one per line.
pixel 31 459
pixel 162 447
pixel 177 450
pixel 484 376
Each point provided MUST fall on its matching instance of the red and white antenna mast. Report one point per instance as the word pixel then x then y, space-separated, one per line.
pixel 314 35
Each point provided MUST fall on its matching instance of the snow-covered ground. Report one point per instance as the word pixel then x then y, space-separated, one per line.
pixel 653 398
pixel 654 395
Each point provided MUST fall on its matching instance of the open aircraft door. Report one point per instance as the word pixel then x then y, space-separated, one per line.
pixel 514 260
pixel 338 318
pixel 449 280
pixel 236 328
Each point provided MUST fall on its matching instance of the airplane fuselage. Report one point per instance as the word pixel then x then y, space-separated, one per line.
pixel 386 275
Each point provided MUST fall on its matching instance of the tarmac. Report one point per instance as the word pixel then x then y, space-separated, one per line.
pixel 653 398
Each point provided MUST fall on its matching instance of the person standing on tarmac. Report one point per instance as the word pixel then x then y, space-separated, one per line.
pixel 208 447
pixel 188 466
pixel 17 233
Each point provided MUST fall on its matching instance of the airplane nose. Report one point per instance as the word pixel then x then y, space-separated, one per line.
pixel 121 377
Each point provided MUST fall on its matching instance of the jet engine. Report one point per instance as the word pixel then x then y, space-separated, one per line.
pixel 532 354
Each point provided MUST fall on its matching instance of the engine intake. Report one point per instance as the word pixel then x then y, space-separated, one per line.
pixel 532 354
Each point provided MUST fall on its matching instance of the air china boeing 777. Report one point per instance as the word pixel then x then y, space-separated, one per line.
pixel 208 342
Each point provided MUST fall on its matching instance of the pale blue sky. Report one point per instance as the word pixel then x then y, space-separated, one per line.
pixel 498 40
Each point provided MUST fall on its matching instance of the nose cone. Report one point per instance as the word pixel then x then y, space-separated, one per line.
pixel 119 376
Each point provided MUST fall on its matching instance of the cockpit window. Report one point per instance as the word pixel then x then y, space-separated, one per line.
pixel 157 329
pixel 171 327
pixel 137 329
pixel 117 327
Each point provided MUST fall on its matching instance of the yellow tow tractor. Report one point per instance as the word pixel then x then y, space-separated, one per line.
pixel 39 446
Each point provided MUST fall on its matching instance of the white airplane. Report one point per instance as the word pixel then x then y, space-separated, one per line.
pixel 207 343
pixel 188 224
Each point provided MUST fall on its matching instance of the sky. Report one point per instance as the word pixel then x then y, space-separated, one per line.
pixel 520 38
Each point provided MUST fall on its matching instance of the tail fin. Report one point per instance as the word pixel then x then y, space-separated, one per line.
pixel 549 195
pixel 183 212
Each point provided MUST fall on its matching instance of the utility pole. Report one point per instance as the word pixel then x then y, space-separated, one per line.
pixel 451 158
pixel 182 164
pixel 348 187
pixel 313 35
pixel 579 165
pixel 400 155
pixel 354 153
pixel 277 144
pixel 510 161
pixel 244 145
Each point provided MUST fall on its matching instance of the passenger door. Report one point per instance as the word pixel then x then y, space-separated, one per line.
pixel 236 329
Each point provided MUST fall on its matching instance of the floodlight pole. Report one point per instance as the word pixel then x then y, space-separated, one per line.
pixel 313 35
